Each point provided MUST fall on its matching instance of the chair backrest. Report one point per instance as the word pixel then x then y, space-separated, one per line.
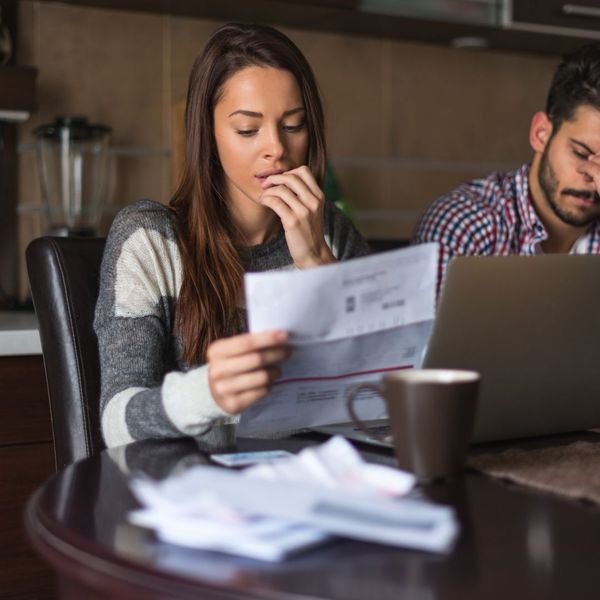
pixel 64 278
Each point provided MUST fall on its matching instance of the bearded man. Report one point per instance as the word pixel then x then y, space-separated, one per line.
pixel 550 205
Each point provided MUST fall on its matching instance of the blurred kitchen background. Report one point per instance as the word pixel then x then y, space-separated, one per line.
pixel 420 95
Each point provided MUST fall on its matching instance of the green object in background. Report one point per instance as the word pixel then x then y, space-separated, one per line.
pixel 333 191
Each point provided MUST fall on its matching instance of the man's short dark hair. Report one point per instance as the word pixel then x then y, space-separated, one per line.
pixel 575 83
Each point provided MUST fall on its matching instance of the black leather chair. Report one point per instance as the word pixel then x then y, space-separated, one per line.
pixel 64 277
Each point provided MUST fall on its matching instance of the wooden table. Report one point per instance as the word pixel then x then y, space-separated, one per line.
pixel 515 543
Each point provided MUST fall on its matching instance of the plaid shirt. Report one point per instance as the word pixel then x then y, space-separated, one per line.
pixel 491 216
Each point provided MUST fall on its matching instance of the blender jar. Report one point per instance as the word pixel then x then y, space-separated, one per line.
pixel 72 157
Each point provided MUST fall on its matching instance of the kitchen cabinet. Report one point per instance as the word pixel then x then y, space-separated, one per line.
pixel 17 101
pixel 17 92
pixel 580 18
pixel 374 18
pixel 26 454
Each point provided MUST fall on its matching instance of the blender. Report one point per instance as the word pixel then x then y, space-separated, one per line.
pixel 72 158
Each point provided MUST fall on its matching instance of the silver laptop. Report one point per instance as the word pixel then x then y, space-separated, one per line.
pixel 531 326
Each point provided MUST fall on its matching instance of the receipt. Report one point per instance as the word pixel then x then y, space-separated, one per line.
pixel 270 513
pixel 348 323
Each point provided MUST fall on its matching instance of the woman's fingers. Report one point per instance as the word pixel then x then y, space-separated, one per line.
pixel 249 362
pixel 262 378
pixel 301 213
pixel 245 343
pixel 242 368
pixel 305 174
pixel 299 189
pixel 286 204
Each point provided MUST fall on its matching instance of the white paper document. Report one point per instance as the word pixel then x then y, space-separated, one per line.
pixel 268 512
pixel 348 323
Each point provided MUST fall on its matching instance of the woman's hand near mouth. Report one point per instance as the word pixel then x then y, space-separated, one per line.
pixel 299 202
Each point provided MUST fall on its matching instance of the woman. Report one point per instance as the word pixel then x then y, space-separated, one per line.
pixel 170 317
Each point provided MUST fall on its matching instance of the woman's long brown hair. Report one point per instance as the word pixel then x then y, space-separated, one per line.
pixel 212 270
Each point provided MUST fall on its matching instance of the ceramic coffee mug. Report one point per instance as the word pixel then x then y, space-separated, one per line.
pixel 431 415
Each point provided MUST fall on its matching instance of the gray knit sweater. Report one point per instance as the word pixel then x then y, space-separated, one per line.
pixel 146 389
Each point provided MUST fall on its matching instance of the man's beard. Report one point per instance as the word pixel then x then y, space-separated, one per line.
pixel 549 185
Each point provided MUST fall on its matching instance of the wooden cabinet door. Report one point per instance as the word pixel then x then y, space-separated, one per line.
pixel 580 14
pixel 26 461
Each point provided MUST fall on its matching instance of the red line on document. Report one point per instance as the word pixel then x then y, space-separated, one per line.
pixel 344 376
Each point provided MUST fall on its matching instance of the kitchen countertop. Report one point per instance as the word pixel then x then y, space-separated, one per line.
pixel 19 334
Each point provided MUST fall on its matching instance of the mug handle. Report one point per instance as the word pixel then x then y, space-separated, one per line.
pixel 355 418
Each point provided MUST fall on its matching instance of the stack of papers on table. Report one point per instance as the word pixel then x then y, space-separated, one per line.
pixel 273 510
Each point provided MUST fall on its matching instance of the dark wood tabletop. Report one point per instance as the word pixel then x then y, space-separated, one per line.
pixel 515 542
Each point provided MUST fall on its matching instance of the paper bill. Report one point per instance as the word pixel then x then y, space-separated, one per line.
pixel 203 506
pixel 349 323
